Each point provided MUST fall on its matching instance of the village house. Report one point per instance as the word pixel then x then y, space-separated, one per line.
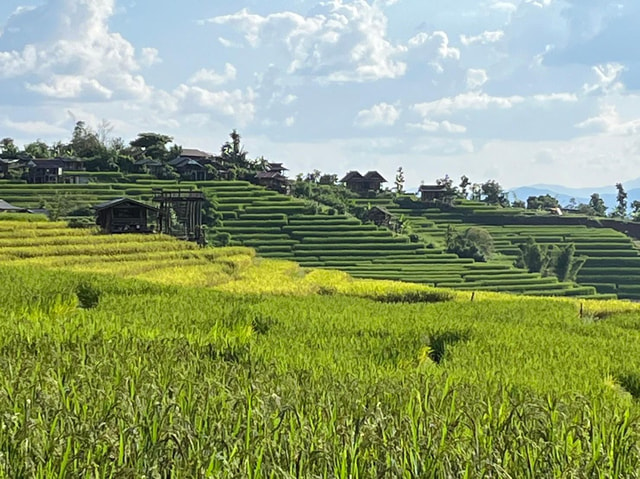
pixel 53 170
pixel 274 178
pixel 371 181
pixel 431 193
pixel 379 216
pixel 124 215
pixel 147 165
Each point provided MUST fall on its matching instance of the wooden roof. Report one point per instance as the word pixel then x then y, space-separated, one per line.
pixel 352 175
pixel 431 188
pixel 374 175
pixel 119 201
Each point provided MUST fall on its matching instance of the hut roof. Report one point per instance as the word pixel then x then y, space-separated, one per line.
pixel 4 206
pixel 374 175
pixel 352 175
pixel 194 153
pixel 431 188
pixel 118 201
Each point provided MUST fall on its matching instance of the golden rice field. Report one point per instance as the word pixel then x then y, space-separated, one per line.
pixel 142 356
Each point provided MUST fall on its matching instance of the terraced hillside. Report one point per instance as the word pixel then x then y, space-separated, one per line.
pixel 613 264
pixel 279 226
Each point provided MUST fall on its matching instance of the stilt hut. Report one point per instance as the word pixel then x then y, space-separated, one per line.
pixel 124 215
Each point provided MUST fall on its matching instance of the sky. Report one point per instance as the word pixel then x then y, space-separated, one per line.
pixel 520 91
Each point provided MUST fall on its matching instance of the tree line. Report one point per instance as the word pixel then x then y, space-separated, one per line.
pixel 103 152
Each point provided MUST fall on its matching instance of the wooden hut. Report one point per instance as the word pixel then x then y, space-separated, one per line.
pixel 433 193
pixel 124 215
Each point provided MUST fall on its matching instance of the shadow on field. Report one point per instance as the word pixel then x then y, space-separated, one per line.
pixel 441 340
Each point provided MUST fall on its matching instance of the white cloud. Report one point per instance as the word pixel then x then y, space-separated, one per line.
pixel 344 42
pixel 211 77
pixel 473 100
pixel 561 97
pixel 68 86
pixel 37 128
pixel 433 126
pixel 150 56
pixel 606 79
pixel 65 49
pixel 433 48
pixel 476 78
pixel 610 121
pixel 484 38
pixel 289 121
pixel 237 104
pixel 377 115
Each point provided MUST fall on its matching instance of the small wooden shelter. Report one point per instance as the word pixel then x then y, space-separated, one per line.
pixel 124 215
pixel 371 181
pixel 180 213
pixel 433 193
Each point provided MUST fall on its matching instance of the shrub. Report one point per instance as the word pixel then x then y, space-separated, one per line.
pixel 88 295
pixel 475 243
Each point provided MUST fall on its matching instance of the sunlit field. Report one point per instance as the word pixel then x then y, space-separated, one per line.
pixel 143 356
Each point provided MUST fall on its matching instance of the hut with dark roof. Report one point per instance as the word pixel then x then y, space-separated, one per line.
pixel 124 215
pixel 371 181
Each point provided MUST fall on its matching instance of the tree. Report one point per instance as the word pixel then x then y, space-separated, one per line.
pixel 233 153
pixel 8 148
pixel 464 184
pixel 37 149
pixel 597 204
pixel 399 182
pixel 476 192
pixel 85 142
pixel 328 179
pixel 532 257
pixel 474 242
pixel 565 264
pixel 494 194
pixel 450 191
pixel 560 261
pixel 542 202
pixel 635 210
pixel 621 199
pixel 151 145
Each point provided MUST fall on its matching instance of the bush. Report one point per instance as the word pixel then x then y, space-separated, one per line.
pixel 475 243
pixel 88 295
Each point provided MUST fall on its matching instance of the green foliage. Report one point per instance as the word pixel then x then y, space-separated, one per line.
pixel 533 257
pixel 474 242
pixel 88 295
pixel 621 199
pixel 542 202
pixel 597 205
pixel 560 261
pixel 399 180
pixel 565 263
pixel 493 193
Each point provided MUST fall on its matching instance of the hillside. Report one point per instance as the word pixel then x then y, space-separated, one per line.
pixel 279 226
pixel 145 355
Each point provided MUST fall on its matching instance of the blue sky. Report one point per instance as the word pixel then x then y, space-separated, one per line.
pixel 521 91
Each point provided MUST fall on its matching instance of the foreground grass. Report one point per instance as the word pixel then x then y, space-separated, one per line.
pixel 104 377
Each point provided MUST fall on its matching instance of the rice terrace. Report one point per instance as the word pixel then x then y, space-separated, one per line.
pixel 208 316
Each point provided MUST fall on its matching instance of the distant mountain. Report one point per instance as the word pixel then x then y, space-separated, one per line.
pixel 581 195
